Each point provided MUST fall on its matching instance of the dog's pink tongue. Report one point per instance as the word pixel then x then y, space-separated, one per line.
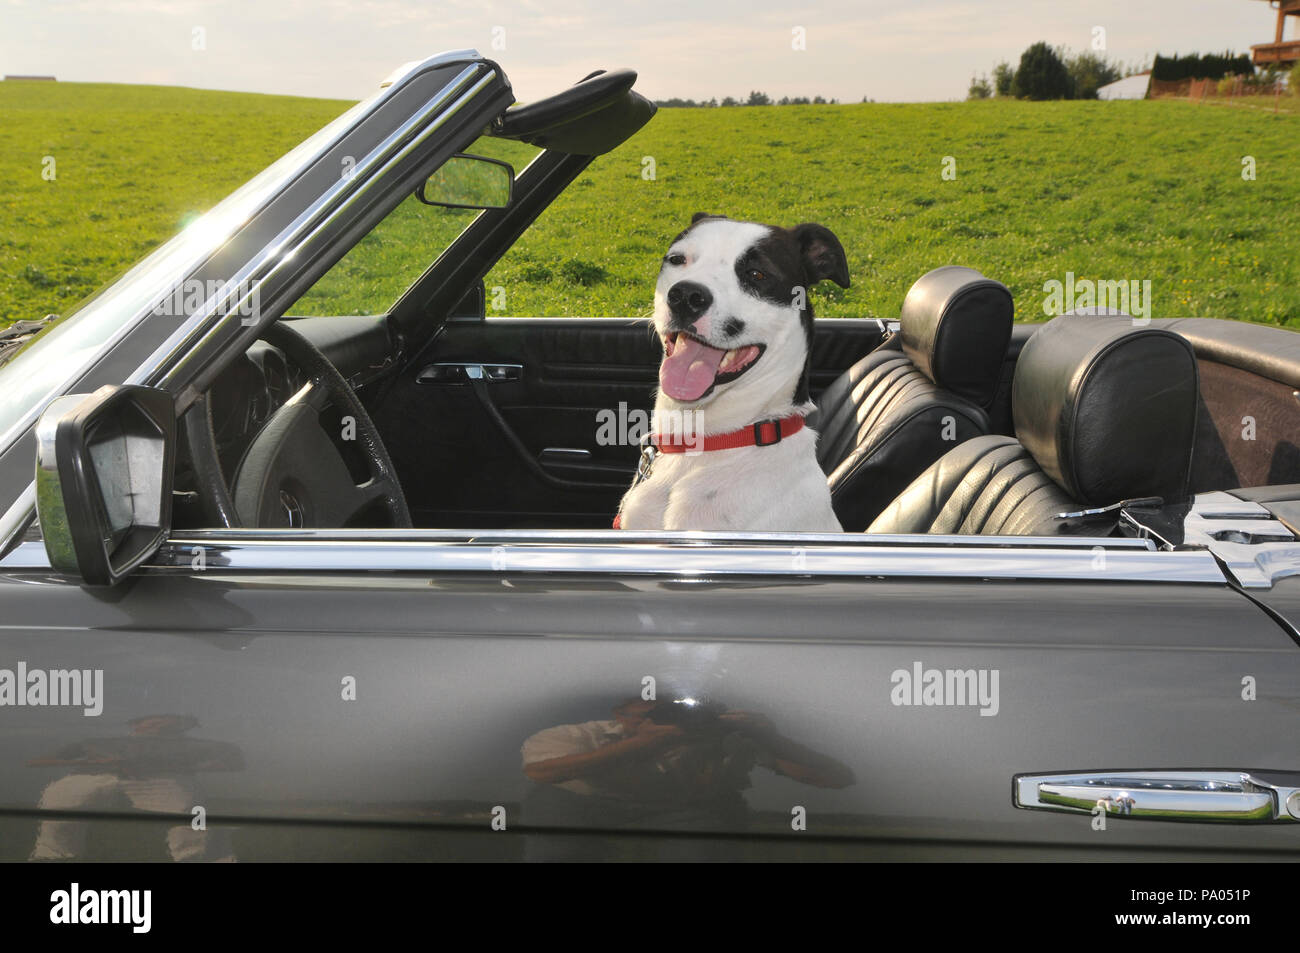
pixel 690 371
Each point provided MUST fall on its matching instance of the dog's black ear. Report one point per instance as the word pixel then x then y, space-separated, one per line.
pixel 823 255
pixel 699 215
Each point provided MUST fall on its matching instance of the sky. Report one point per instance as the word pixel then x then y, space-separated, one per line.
pixel 904 50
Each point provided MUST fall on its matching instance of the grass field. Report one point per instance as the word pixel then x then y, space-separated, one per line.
pixel 1107 191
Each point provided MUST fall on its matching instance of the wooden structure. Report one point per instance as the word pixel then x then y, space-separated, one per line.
pixel 1284 52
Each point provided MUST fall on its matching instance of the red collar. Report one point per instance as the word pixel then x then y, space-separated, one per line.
pixel 764 433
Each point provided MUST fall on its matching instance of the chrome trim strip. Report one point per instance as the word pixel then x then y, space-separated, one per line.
pixel 14 433
pixel 684 555
pixel 237 536
pixel 686 559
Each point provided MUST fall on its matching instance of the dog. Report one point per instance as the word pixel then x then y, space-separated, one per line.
pixel 730 450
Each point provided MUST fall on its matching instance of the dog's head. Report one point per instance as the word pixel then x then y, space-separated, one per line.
pixel 732 309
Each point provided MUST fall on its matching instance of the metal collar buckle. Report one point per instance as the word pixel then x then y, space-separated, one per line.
pixel 758 432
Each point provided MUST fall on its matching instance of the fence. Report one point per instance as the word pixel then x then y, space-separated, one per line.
pixel 1223 90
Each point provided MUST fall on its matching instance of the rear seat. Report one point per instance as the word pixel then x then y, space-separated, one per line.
pixel 1104 411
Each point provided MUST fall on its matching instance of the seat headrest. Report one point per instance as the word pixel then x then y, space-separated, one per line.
pixel 955 327
pixel 1107 408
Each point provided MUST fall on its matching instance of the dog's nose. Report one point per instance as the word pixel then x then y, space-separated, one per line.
pixel 687 300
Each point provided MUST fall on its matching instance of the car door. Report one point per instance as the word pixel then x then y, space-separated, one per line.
pixel 550 423
pixel 547 695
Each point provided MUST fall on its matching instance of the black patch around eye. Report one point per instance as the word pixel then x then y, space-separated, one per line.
pixel 761 281
pixel 733 327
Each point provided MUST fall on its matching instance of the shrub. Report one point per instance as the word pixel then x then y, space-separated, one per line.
pixel 979 88
pixel 1041 75
pixel 1003 76
pixel 1089 72
pixel 1293 80
pixel 1262 81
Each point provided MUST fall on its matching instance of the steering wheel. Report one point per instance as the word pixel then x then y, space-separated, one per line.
pixel 293 474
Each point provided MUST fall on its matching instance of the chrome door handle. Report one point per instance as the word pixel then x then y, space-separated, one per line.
pixel 564 455
pixel 464 372
pixel 1231 796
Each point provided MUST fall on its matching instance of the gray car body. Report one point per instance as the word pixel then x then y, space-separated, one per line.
pixel 369 695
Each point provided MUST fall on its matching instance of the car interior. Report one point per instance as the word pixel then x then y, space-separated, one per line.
pixel 953 419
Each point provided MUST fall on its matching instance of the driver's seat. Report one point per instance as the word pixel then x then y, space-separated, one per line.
pixel 1104 411
pixel 918 395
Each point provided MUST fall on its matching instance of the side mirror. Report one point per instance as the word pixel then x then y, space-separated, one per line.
pixel 467 181
pixel 104 469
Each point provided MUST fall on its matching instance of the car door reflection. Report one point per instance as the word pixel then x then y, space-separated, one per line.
pixel 680 765
pixel 152 769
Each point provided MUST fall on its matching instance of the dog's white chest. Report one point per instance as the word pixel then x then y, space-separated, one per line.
pixel 776 488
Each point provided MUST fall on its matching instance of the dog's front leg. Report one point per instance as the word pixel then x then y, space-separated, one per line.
pixel 644 505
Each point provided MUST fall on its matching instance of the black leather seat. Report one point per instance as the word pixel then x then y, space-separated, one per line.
pixel 1104 411
pixel 922 392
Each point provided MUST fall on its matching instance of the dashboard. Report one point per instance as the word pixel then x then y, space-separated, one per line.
pixel 246 395
pixel 262 380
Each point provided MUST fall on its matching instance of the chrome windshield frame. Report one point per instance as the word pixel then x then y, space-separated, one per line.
pixel 167 364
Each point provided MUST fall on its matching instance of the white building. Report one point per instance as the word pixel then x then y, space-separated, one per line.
pixel 1130 87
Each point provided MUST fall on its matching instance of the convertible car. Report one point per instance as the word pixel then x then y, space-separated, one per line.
pixel 278 582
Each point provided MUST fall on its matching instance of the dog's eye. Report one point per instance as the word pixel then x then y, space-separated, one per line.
pixel 676 259
pixel 756 274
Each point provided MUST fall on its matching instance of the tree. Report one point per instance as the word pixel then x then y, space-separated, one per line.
pixel 758 99
pixel 1003 75
pixel 1089 72
pixel 730 102
pixel 1041 75
pixel 1196 66
pixel 979 88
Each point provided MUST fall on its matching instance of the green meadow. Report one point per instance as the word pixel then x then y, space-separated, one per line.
pixel 1118 191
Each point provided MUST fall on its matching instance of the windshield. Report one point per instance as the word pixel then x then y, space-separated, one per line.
pixel 379 268
pixel 58 356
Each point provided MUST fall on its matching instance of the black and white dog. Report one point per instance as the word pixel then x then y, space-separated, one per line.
pixel 730 449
